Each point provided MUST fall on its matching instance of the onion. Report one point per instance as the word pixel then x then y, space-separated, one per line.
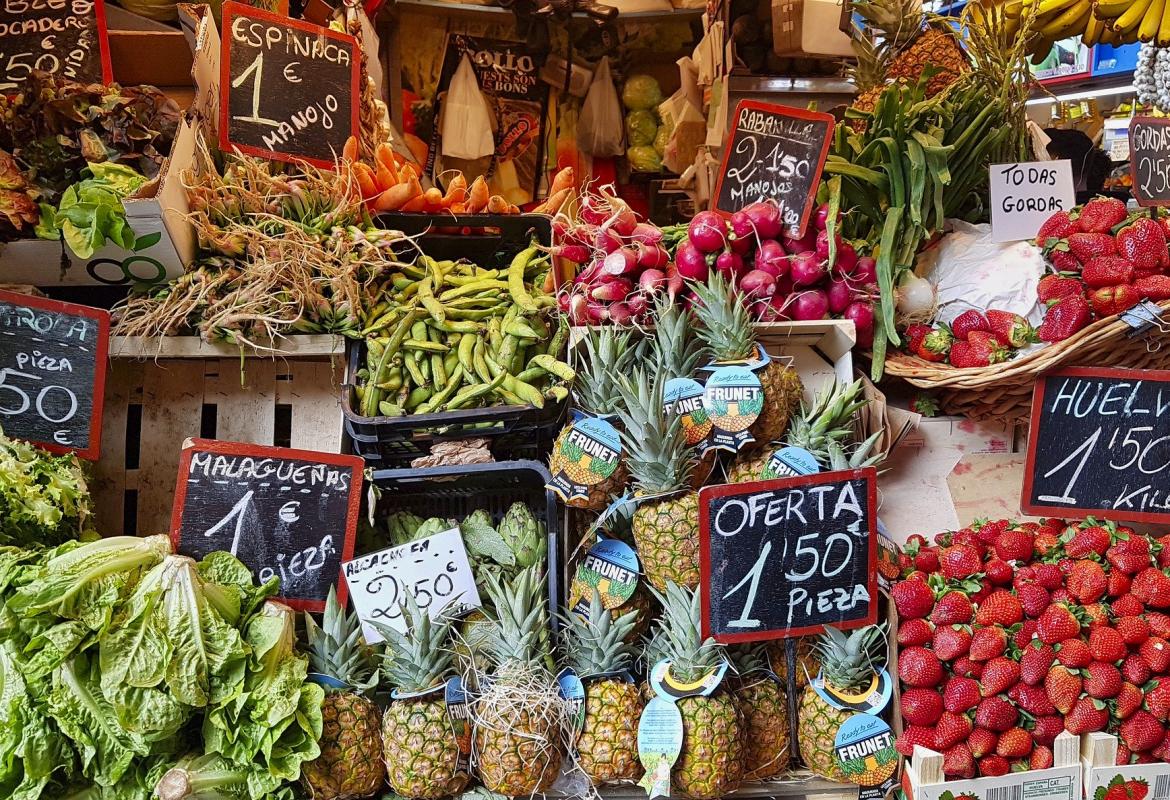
pixel 652 280
pixel 865 271
pixel 652 257
pixel 674 281
pixel 809 305
pixel 862 315
pixel 840 296
pixel 758 283
pixel 691 263
pixel 765 216
pixel 772 259
pixel 621 313
pixel 707 232
pixel 606 240
pixel 729 264
pixel 646 233
pixel 613 290
pixel 807 269
pixel 846 259
pixel 915 295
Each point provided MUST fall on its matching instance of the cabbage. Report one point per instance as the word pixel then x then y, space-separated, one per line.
pixel 662 138
pixel 641 93
pixel 641 128
pixel 644 159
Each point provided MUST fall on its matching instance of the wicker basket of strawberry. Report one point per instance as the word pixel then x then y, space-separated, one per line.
pixel 1102 261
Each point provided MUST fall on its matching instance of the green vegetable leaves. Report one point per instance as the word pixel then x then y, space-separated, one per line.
pixel 91 212
pixel 43 498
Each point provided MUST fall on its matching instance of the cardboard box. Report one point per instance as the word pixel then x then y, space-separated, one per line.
pixel 808 28
pixel 145 51
pixel 1061 782
pixel 1099 751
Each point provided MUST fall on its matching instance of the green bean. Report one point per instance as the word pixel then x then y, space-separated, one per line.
pixel 424 345
pixel 417 396
pixel 427 296
pixel 436 401
pixel 554 367
pixel 471 393
pixel 516 286
pixel 458 326
pixel 415 372
pixel 481 367
pixel 473 288
pixel 438 370
pixel 466 349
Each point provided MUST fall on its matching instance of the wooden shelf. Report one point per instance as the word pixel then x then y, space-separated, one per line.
pixel 798 783
pixel 148 347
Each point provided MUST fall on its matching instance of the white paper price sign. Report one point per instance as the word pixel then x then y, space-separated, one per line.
pixel 434 570
pixel 1024 195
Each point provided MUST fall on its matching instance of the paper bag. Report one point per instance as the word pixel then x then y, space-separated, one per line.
pixel 467 124
pixel 601 129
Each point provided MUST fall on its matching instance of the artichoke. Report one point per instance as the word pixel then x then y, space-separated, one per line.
pixel 524 535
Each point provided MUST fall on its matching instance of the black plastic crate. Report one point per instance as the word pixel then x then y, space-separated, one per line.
pixel 489 240
pixel 456 491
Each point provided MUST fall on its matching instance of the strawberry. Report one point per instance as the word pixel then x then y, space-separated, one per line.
pixel 999 572
pixel 1056 624
pixel 1046 729
pixel 1041 757
pixel 915 735
pixel 1141 732
pixel 1129 555
pixel 1088 539
pixel 921 706
pixel 1096 615
pixel 1101 214
pixel 1132 630
pixel 1087 246
pixel 993 766
pixel 1064 318
pixel 951 729
pixel 1152 587
pixel 982 741
pixel 1063 688
pixel 937 344
pixel 1159 623
pixel 1129 699
pixel 989 531
pixel 1049 576
pixel 1116 792
pixel 1033 599
pixel 1086 581
pixel 1135 669
pixel 1025 632
pixel 1153 287
pixel 1059 226
pixel 917 666
pixel 1119 583
pixel 914 336
pixel 1087 716
pixel 961 694
pixel 960 561
pixel 951 641
pixel 953 608
pixel 986 644
pixel 927 560
pixel 1036 660
pixel 965 667
pixel 914 631
pixel 1014 743
pixel 1127 606
pixel 1001 607
pixel 1143 243
pixel 1015 544
pixel 1107 271
pixel 996 713
pixel 1054 286
pixel 1138 788
pixel 1102 680
pixel 1123 756
pixel 980 349
pixel 971 320
pixel 1010 329
pixel 1157 698
pixel 999 675
pixel 1074 653
pixel 958 762
pixel 1106 644
pixel 1155 651
pixel 1110 300
pixel 1032 699
pixel 912 598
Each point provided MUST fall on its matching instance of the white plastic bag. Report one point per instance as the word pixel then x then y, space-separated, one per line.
pixel 467 124
pixel 601 129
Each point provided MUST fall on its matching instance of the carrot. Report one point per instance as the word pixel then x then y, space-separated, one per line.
pixel 456 190
pixel 365 179
pixel 497 205
pixel 434 198
pixel 385 178
pixel 553 203
pixel 416 205
pixel 563 180
pixel 477 196
pixel 458 208
pixel 550 282
pixel 384 154
pixel 350 151
pixel 397 196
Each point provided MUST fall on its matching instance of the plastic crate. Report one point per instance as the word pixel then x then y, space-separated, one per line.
pixel 489 240
pixel 456 491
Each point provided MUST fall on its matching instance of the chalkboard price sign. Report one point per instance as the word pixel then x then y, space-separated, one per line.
pixel 774 153
pixel 289 90
pixel 61 37
pixel 53 373
pixel 1099 444
pixel 1149 160
pixel 785 557
pixel 286 513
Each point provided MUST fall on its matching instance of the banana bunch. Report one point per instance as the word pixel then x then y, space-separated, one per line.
pixel 1112 22
pixel 1131 21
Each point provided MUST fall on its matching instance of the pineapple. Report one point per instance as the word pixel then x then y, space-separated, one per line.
pixel 711 763
pixel 418 741
pixel 848 663
pixel 350 764
pixel 726 328
pixel 520 716
pixel 607 352
pixel 597 648
pixel 764 705
pixel 666 529
pixel 807 662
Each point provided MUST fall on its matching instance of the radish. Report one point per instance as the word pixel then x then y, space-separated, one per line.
pixel 606 240
pixel 865 271
pixel 563 302
pixel 652 280
pixel 646 233
pixel 707 232
pixel 840 296
pixel 742 225
pixel 674 281
pixel 691 263
pixel 808 242
pixel 620 262
pixel 593 210
pixel 729 264
pixel 579 310
pixel 590 273
pixel 765 216
pixel 822 245
pixel 741 246
pixel 809 305
pixel 621 313
pixel 758 283
pixel 597 313
pixel 638 304
pixel 807 269
pixel 821 220
pixel 611 291
pixel 772 259
pixel 576 253
pixel 774 309
pixel 846 259
pixel 652 256
pixel 862 315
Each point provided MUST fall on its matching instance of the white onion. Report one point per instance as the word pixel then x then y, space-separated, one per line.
pixel 915 295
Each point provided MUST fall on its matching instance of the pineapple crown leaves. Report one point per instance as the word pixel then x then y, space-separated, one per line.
pixel 849 661
pixel 519 623
pixel 682 641
pixel 828 419
pixel 674 347
pixel 596 644
pixel 338 649
pixel 659 458
pixel 607 351
pixel 418 659
pixel 724 323
pixel 860 457
pixel 748 658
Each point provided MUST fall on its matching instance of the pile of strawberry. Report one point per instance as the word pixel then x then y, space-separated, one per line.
pixel 973 339
pixel 1011 632
pixel 1106 261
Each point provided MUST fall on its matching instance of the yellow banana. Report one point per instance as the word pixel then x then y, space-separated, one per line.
pixel 1040 49
pixel 1110 9
pixel 1132 16
pixel 1092 31
pixel 1066 22
pixel 1151 21
pixel 1163 35
pixel 1051 6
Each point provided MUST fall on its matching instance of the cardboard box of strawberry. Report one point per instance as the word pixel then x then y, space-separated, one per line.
pixel 1011 632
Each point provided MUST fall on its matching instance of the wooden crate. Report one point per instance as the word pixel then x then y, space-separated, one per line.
pixel 1098 753
pixel 160 392
pixel 1061 782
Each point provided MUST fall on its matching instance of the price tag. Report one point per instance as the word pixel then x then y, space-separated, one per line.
pixel 53 373
pixel 1149 160
pixel 1024 196
pixel 61 37
pixel 1100 444
pixel 289 89
pixel 774 153
pixel 434 570
pixel 785 557
pixel 286 513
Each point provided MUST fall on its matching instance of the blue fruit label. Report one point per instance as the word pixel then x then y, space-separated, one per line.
pixel 684 397
pixel 611 567
pixel 789 462
pixel 573 693
pixel 734 400
pixel 870 699
pixel 587 454
pixel 864 748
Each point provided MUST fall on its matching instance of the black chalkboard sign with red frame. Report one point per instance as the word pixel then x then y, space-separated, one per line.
pixel 67 38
